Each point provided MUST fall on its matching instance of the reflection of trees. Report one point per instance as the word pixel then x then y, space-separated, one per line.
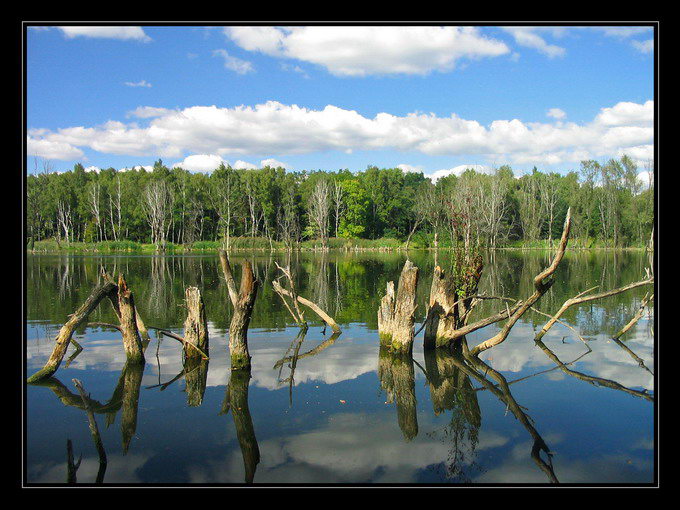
pixel 451 389
pixel 397 378
pixel 321 283
pixel 236 400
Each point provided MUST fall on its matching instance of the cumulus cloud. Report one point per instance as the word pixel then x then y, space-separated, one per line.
pixel 244 165
pixel 362 51
pixel 274 163
pixel 142 83
pixel 233 63
pixel 51 149
pixel 147 112
pixel 106 32
pixel 556 113
pixel 275 128
pixel 201 162
pixel 529 37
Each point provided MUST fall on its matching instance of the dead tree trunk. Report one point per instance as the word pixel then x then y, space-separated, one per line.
pixel 196 324
pixel 64 336
pixel 396 312
pixel 132 342
pixel 450 303
pixel 243 303
pixel 541 286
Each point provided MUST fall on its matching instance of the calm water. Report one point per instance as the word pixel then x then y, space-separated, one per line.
pixel 335 410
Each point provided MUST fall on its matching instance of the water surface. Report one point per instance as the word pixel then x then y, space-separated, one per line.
pixel 321 409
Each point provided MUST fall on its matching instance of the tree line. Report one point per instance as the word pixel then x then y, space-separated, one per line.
pixel 610 206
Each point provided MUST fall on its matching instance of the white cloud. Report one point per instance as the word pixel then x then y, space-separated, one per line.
pixel 94 169
pixel 147 112
pixel 361 51
pixel 244 165
pixel 646 46
pixel 411 168
pixel 201 162
pixel 104 32
pixel 274 163
pixel 280 129
pixel 233 63
pixel 142 83
pixel 51 149
pixel 556 113
pixel 623 31
pixel 529 37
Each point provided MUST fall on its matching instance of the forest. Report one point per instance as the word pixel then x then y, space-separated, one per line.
pixel 382 207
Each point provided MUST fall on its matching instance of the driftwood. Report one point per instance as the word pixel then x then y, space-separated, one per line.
pixel 297 314
pixel 582 298
pixel 541 285
pixel 64 337
pixel 94 430
pixel 397 378
pixel 195 325
pixel 448 308
pixel 243 303
pixel 312 352
pixel 236 399
pixel 635 318
pixel 175 336
pixel 396 312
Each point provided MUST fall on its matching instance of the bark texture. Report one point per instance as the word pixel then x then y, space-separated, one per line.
pixel 195 325
pixel 243 302
pixel 397 310
pixel 132 342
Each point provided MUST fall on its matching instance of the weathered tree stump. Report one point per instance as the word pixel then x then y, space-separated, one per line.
pixel 396 312
pixel 451 302
pixel 243 303
pixel 132 341
pixel 196 324
pixel 64 336
pixel 397 378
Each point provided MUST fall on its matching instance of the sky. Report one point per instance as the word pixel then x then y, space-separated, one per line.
pixel 423 98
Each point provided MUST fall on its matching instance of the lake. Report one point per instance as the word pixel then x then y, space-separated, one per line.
pixel 319 409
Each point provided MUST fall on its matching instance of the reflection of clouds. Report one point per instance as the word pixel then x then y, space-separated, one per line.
pixel 607 360
pixel 119 469
pixel 347 448
pixel 605 469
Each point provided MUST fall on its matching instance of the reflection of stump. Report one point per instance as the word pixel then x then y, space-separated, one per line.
pixel 396 312
pixel 132 381
pixel 397 378
pixel 450 387
pixel 237 401
pixel 196 376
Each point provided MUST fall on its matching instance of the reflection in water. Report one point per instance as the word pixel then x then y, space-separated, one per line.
pixel 236 400
pixel 196 376
pixel 397 378
pixel 451 389
pixel 611 436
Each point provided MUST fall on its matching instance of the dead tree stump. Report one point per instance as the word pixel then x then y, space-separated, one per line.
pixel 451 301
pixel 132 341
pixel 243 303
pixel 396 312
pixel 196 324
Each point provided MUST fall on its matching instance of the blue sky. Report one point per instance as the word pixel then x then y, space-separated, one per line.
pixel 428 98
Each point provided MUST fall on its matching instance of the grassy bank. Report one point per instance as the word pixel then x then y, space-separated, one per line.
pixel 263 244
